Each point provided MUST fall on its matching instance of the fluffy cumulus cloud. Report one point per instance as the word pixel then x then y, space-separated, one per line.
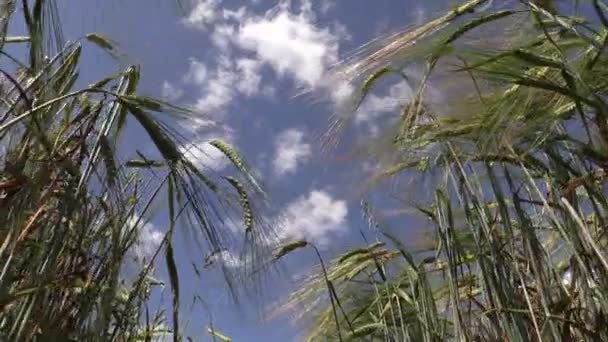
pixel 315 217
pixel 205 12
pixel 222 36
pixel 291 44
pixel 249 70
pixel 341 94
pixel 286 38
pixel 250 48
pixel 218 89
pixel 197 72
pixel 169 92
pixel 222 84
pixel 216 85
pixel 148 240
pixel 291 150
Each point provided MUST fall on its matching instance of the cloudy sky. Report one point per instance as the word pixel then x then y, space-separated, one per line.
pixel 260 67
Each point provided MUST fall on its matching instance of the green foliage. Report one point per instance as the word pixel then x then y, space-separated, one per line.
pixel 289 247
pixel 71 212
pixel 517 205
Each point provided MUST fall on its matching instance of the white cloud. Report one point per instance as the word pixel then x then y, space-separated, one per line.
pixel 237 15
pixel 291 44
pixel 205 12
pixel 327 5
pixel 193 125
pixel 315 217
pixel 341 31
pixel 230 260
pixel 375 106
pixel 230 78
pixel 250 76
pixel 169 92
pixel 226 258
pixel 218 89
pixel 148 240
pixel 197 73
pixel 290 151
pixel 341 93
pixel 222 36
pixel 308 6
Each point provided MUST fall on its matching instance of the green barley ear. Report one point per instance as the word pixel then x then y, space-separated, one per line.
pixel 218 335
pixel 245 204
pixel 371 80
pixel 229 152
pixel 476 23
pixel 139 163
pixel 237 161
pixel 398 168
pixel 366 330
pixel 360 251
pixel 289 247
pixel 104 43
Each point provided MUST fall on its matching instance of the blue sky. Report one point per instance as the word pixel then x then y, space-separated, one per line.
pixel 246 64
